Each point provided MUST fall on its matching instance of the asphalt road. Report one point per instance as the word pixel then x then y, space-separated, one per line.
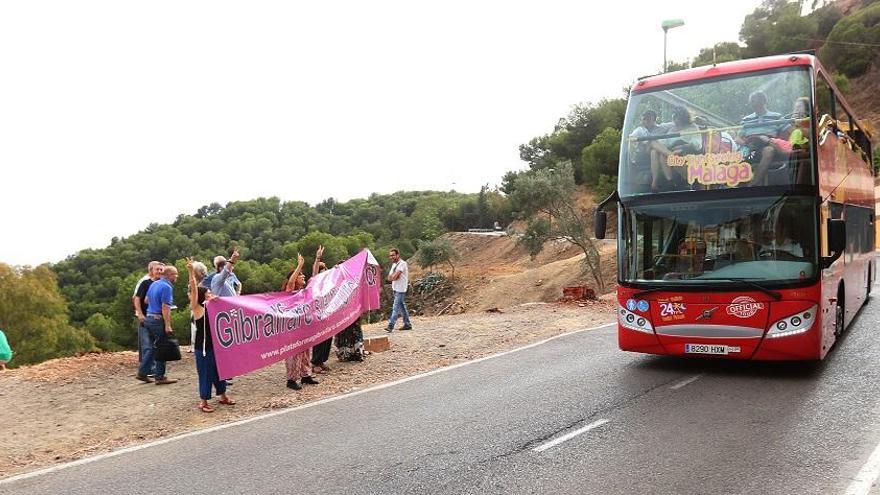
pixel 738 427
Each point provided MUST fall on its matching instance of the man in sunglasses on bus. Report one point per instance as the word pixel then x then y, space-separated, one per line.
pixel 759 130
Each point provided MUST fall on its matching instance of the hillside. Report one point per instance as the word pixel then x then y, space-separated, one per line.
pixel 863 97
pixel 496 273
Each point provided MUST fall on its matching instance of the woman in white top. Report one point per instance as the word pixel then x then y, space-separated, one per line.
pixel 689 141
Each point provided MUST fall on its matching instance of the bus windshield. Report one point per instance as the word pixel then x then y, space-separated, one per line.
pixel 755 239
pixel 734 132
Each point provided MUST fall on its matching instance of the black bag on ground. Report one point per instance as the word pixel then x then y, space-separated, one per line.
pixel 167 350
pixel 350 343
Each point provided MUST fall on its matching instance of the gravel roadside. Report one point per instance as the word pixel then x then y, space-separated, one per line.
pixel 66 409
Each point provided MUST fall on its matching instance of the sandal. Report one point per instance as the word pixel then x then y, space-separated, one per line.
pixel 227 401
pixel 317 370
pixel 205 408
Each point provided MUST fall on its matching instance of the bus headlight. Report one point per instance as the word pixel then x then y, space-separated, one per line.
pixel 794 324
pixel 633 321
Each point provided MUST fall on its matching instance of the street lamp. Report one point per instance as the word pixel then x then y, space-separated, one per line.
pixel 667 25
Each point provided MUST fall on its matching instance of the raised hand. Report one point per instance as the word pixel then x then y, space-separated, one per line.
pixel 235 255
pixel 299 260
pixel 320 252
pixel 189 264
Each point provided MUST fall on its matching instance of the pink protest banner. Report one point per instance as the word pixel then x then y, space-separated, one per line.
pixel 251 332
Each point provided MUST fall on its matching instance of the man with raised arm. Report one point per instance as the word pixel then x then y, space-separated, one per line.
pixel 224 282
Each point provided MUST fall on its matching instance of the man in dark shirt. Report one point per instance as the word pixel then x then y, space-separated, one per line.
pixel 158 323
pixel 154 271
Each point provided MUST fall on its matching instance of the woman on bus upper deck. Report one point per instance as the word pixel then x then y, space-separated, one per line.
pixel 687 141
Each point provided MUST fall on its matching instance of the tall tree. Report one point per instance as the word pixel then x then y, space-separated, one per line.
pixel 33 314
pixel 551 193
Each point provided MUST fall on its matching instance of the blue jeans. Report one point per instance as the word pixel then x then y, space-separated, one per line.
pixel 156 330
pixel 207 369
pixel 143 343
pixel 399 309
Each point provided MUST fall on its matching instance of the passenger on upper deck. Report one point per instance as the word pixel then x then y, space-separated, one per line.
pixel 801 115
pixel 686 141
pixel 640 171
pixel 649 127
pixel 758 131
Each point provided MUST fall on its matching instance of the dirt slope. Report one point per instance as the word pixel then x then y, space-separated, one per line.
pixel 863 97
pixel 496 273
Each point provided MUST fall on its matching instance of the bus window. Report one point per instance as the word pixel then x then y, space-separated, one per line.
pixel 767 239
pixel 824 98
pixel 750 130
pixel 844 121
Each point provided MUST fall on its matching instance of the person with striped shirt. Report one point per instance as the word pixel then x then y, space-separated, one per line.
pixel 759 129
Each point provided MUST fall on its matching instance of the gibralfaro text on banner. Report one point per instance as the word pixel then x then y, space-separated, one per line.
pixel 250 332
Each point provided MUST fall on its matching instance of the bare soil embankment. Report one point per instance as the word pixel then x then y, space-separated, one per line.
pixel 496 273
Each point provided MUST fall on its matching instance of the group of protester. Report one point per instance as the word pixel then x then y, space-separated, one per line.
pixel 153 303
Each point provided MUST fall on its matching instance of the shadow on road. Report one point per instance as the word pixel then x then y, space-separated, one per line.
pixel 784 370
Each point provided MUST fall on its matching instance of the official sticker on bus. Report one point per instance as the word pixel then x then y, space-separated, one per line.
pixel 642 305
pixel 672 311
pixel 631 304
pixel 744 307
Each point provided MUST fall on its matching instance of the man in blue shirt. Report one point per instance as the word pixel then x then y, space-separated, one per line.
pixel 160 299
pixel 224 282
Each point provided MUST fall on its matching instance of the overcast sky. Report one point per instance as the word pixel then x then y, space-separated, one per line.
pixel 117 114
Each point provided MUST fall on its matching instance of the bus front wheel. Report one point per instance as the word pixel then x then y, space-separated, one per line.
pixel 839 314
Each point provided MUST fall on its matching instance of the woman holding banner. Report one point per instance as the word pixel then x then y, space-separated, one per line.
pixel 299 366
pixel 203 343
pixel 321 352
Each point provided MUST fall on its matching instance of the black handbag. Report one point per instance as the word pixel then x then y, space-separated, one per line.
pixel 166 350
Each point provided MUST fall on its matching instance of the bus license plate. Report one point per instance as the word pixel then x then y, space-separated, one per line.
pixel 722 350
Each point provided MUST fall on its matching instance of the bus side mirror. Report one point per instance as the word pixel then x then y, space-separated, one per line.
pixel 836 240
pixel 600 219
pixel 599 224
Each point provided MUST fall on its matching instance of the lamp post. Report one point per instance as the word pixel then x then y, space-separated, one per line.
pixel 667 25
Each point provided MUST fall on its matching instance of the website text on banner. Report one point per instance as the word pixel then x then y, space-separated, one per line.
pixel 251 332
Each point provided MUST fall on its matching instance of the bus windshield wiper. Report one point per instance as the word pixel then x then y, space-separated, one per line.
pixel 771 293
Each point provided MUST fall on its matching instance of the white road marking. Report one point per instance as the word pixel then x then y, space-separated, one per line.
pixel 570 435
pixel 279 412
pixel 687 381
pixel 862 483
